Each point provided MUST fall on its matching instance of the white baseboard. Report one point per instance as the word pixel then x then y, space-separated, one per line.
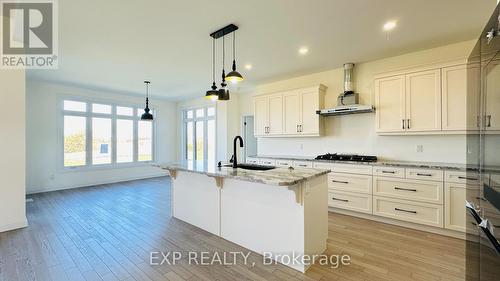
pixel 55 188
pixel 13 226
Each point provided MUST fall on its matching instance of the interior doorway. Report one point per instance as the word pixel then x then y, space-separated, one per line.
pixel 249 139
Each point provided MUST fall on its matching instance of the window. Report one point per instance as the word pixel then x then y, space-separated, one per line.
pixel 97 134
pixel 199 141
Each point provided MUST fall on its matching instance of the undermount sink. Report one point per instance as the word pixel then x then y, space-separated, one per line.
pixel 253 167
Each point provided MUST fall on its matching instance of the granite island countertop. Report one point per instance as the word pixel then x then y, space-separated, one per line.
pixel 278 176
pixel 393 163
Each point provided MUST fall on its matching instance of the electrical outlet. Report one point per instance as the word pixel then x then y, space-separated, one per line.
pixel 420 148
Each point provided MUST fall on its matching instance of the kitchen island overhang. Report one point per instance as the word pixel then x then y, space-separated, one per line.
pixel 276 213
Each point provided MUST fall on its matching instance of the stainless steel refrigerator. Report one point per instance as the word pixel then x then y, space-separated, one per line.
pixel 483 156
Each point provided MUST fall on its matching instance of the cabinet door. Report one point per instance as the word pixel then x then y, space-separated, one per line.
pixel 291 107
pixel 492 87
pixel 309 103
pixel 423 101
pixel 454 91
pixel 454 202
pixel 390 104
pixel 275 123
pixel 261 112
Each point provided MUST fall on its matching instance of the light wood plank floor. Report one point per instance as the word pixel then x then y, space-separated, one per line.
pixel 107 233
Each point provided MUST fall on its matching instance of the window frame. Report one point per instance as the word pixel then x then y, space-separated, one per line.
pixel 88 114
pixel 194 119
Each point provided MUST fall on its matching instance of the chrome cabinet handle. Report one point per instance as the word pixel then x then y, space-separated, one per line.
pixel 345 182
pixel 424 175
pixel 406 211
pixel 405 189
pixel 338 199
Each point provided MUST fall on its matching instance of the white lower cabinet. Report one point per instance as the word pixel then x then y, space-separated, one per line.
pixel 455 214
pixel 350 182
pixel 410 211
pixel 408 189
pixel 350 201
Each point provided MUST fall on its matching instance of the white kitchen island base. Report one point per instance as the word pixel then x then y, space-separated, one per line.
pixel 272 220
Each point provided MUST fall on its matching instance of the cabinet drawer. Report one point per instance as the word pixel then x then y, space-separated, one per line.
pixel 416 212
pixel 303 164
pixel 385 171
pixel 350 183
pixel 345 168
pixel 415 190
pixel 252 160
pixel 284 163
pixel 424 174
pixel 350 201
pixel 461 177
pixel 267 162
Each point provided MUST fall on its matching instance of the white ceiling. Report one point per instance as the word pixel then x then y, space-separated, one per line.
pixel 115 44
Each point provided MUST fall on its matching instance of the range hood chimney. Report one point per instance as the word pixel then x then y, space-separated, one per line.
pixel 348 101
pixel 348 96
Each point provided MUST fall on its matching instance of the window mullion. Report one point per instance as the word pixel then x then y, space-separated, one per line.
pixel 89 138
pixel 113 135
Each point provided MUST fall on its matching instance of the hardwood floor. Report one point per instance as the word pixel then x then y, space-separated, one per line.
pixel 107 233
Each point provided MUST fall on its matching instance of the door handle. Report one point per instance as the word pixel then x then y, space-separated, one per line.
pixel 388 172
pixel 297 128
pixel 300 128
pixel 488 122
pixel 403 123
pixel 424 175
pixel 338 199
pixel 467 178
pixel 408 124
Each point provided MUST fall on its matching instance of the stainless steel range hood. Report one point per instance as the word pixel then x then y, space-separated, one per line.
pixel 347 102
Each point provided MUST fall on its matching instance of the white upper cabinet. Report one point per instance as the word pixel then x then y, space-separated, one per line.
pixel 275 126
pixel 440 100
pixel 423 101
pixel 492 86
pixel 261 112
pixel 460 96
pixel 310 102
pixel 290 113
pixel 291 107
pixel 390 104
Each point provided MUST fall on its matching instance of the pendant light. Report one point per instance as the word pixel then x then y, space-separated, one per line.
pixel 146 115
pixel 234 76
pixel 223 91
pixel 213 94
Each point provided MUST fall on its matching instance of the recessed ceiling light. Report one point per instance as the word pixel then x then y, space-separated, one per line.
pixel 303 50
pixel 248 66
pixel 390 25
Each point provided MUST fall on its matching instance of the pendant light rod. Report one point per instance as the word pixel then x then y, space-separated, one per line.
pixel 224 31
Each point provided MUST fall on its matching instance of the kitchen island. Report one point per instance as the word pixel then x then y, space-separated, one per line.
pixel 275 212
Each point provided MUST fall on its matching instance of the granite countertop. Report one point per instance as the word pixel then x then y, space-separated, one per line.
pixel 278 176
pixel 409 164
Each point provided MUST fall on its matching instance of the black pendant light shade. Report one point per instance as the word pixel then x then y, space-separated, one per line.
pixel 146 115
pixel 223 91
pixel 213 94
pixel 234 76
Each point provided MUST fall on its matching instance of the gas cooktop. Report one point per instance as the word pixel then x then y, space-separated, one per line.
pixel 347 157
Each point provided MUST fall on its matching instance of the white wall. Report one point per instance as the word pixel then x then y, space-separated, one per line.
pixel 356 133
pixel 43 170
pixel 12 150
